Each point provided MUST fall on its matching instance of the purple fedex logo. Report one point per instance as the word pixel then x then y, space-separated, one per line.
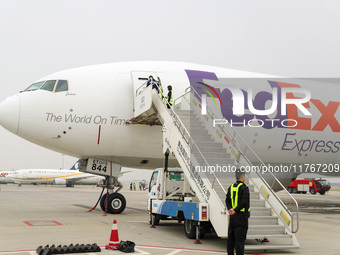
pixel 234 101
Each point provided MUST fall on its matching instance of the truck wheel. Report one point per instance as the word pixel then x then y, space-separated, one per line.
pixel 312 191
pixel 322 192
pixel 117 203
pixel 190 229
pixel 290 189
pixel 295 190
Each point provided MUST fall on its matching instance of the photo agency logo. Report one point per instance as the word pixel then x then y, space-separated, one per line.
pixel 280 102
pixel 254 102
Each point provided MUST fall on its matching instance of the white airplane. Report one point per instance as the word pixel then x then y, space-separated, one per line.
pixel 53 176
pixel 3 178
pixel 83 112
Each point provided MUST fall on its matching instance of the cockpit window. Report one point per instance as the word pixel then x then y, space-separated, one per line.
pixel 61 86
pixel 48 85
pixel 34 86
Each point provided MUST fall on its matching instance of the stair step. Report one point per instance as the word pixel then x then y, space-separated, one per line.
pixel 215 160
pixel 194 126
pixel 198 134
pixel 191 121
pixel 257 203
pixel 260 211
pixel 207 154
pixel 206 143
pixel 196 130
pixel 208 147
pixel 216 157
pixel 270 246
pixel 275 236
pixel 265 230
pixel 203 136
pixel 263 220
pixel 183 114
pixel 254 195
pixel 223 163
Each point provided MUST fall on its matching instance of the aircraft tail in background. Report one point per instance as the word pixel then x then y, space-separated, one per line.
pixel 76 165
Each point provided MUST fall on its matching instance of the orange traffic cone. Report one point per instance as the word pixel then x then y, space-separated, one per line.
pixel 114 239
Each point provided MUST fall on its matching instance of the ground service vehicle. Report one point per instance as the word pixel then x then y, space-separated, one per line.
pixel 309 185
pixel 171 198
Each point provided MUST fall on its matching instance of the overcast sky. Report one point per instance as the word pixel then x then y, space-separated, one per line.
pixel 289 38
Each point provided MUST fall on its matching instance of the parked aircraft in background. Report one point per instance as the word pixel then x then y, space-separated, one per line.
pixel 52 176
pixel 3 178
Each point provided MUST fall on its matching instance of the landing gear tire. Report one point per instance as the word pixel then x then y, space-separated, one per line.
pixel 312 191
pixel 117 203
pixel 103 203
pixel 190 229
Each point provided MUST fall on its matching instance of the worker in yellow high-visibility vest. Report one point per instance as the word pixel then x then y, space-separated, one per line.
pixel 169 100
pixel 238 204
pixel 160 90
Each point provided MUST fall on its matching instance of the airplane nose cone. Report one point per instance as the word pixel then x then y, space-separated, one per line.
pixel 9 114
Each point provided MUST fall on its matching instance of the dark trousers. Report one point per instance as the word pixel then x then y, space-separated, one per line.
pixel 237 233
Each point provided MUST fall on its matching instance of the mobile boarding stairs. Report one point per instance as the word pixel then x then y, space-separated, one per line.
pixel 192 139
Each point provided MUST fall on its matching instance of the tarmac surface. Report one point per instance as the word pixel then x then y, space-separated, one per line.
pixel 31 216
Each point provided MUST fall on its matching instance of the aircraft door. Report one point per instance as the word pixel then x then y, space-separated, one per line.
pixel 139 80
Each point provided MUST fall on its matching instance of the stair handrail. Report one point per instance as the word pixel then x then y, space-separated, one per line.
pixel 235 143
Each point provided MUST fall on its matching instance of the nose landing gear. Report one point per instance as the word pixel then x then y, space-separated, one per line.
pixel 112 202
